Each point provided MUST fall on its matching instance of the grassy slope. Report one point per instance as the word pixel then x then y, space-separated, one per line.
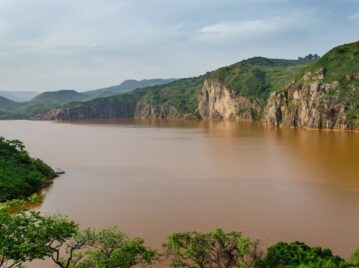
pixel 20 175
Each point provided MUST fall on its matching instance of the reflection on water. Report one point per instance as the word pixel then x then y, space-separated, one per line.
pixel 155 177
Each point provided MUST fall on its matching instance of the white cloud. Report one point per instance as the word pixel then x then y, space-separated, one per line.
pixel 244 27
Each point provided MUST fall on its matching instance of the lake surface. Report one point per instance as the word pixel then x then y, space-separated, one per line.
pixel 152 178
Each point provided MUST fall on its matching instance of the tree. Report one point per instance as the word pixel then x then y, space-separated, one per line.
pixel 72 248
pixel 212 249
pixel 112 248
pixel 27 235
pixel 298 254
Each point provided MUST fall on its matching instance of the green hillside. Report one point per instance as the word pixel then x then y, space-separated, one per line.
pixel 257 77
pixel 20 175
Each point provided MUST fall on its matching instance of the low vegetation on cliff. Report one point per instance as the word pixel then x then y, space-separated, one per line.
pixel 20 175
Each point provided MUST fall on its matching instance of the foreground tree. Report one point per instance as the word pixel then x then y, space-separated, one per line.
pixel 212 249
pixel 27 235
pixel 298 254
pixel 112 248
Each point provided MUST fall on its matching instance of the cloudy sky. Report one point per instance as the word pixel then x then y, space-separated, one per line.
pixel 88 44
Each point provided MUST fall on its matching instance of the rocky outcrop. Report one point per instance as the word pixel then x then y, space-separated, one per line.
pixel 217 102
pixel 311 103
pixel 146 110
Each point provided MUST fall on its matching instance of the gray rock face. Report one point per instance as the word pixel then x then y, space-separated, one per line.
pixel 217 102
pixel 308 104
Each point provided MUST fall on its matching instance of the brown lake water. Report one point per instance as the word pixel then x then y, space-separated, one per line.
pixel 152 178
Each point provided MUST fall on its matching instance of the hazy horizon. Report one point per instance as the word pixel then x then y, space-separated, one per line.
pixel 86 45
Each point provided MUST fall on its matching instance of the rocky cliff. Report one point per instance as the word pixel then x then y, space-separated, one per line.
pixel 325 96
pixel 217 102
pixel 313 103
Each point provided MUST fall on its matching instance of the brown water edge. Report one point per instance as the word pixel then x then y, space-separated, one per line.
pixel 152 178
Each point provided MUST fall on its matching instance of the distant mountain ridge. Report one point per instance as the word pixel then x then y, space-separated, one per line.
pixel 51 99
pixel 60 96
pixel 126 86
pixel 18 96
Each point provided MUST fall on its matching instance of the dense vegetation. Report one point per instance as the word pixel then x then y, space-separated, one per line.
pixel 20 175
pixel 27 235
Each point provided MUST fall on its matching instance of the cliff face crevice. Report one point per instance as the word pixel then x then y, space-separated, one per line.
pixel 312 104
pixel 217 102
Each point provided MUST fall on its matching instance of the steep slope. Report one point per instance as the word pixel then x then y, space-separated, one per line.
pixel 326 95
